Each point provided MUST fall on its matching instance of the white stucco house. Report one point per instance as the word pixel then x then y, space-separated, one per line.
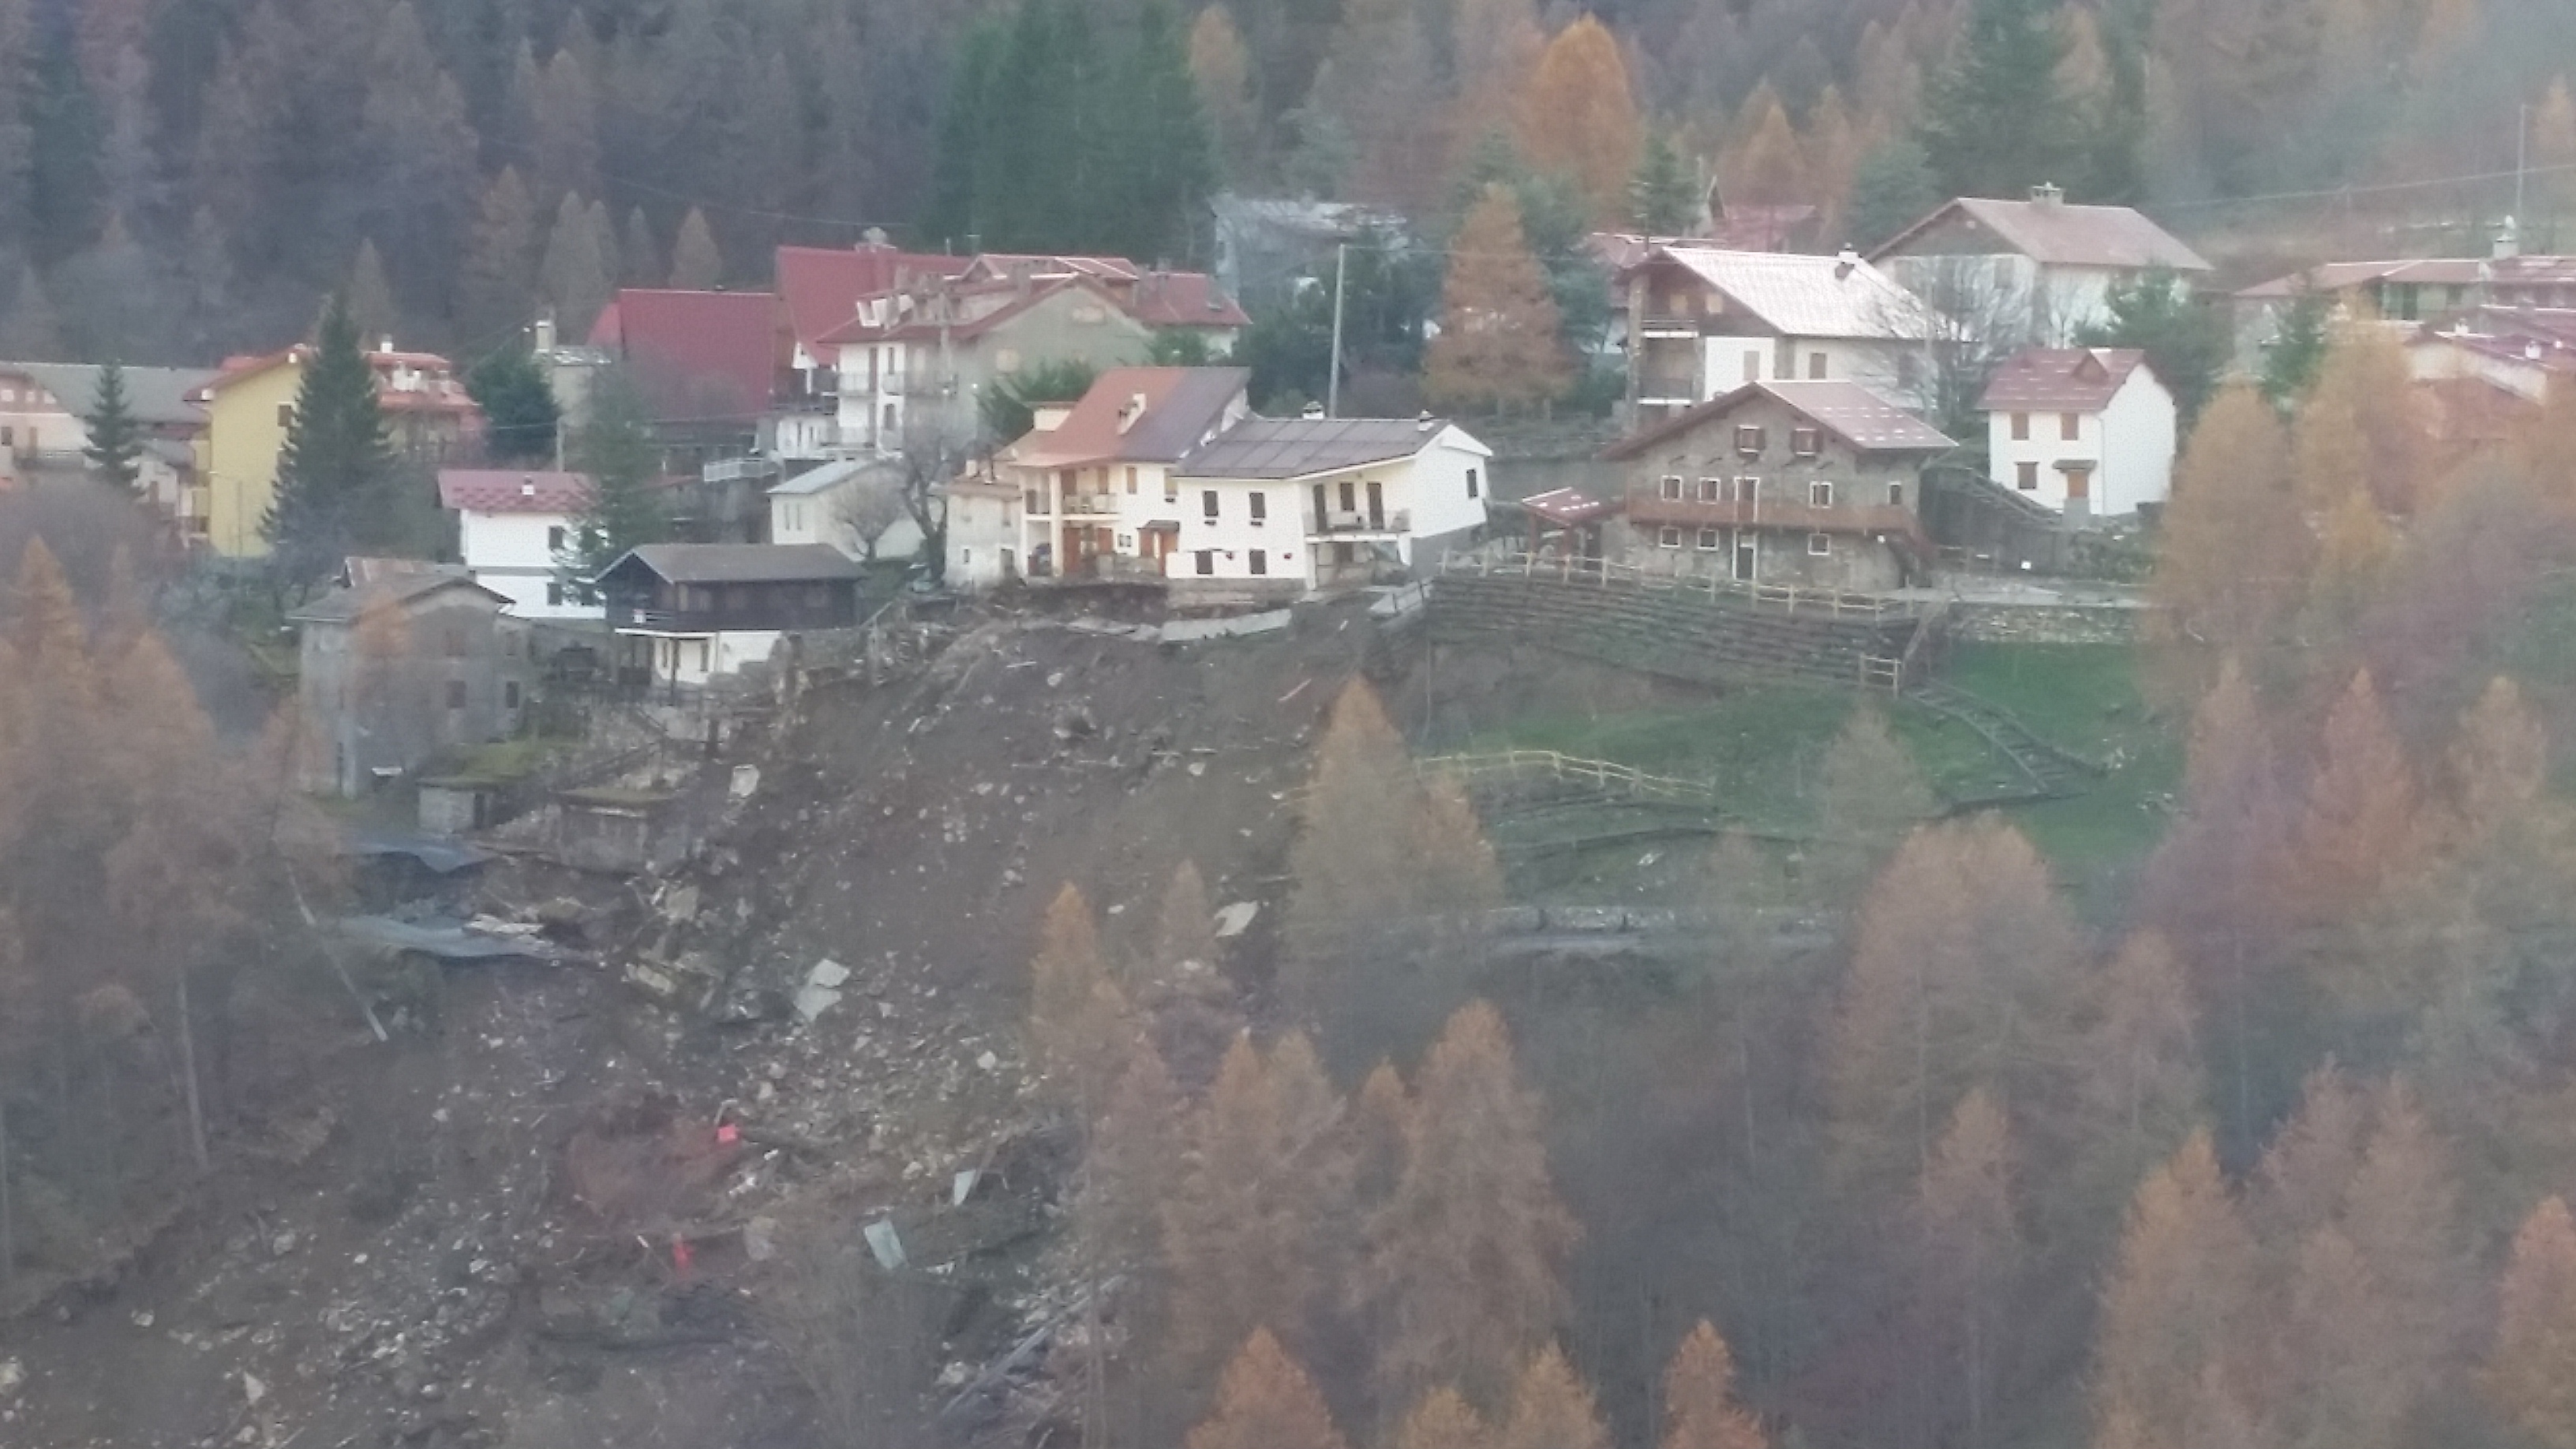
pixel 1166 473
pixel 2088 431
pixel 987 542
pixel 2046 264
pixel 835 503
pixel 511 528
pixel 1701 321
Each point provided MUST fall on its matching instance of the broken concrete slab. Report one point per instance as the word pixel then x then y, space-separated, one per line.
pixel 1240 626
pixel 1233 920
pixel 821 991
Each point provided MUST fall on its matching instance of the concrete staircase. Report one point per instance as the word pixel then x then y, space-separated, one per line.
pixel 1683 634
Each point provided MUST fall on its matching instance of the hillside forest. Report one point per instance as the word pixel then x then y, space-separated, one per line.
pixel 181 178
pixel 2262 1144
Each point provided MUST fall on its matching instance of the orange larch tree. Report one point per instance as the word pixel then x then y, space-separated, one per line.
pixel 2177 1304
pixel 1579 119
pixel 1443 1420
pixel 2531 1371
pixel 1552 1408
pixel 1081 1027
pixel 1267 1400
pixel 2361 826
pixel 1700 1411
pixel 1464 1260
pixel 1499 347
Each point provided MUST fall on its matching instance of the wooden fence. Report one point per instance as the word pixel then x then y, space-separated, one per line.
pixel 1471 770
pixel 1610 573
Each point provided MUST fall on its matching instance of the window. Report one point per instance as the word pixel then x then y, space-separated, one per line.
pixel 1131 480
pixel 1350 497
pixel 1896 495
pixel 1669 538
pixel 554 596
pixel 1206 560
pixel 1672 486
pixel 1820 545
pixel 1753 367
pixel 2070 426
pixel 1471 482
pixel 2028 477
pixel 1820 494
pixel 8 437
pixel 1806 442
pixel 509 694
pixel 890 424
pixel 1747 488
pixel 285 414
pixel 1260 510
pixel 2021 427
pixel 456 694
pixel 1260 561
pixel 1815 365
pixel 1126 543
pixel 455 642
pixel 555 539
pixel 1171 489
pixel 1712 490
pixel 1207 504
pixel 1708 540
pixel 1749 438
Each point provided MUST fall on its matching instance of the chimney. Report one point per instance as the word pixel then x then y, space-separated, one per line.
pixel 2508 241
pixel 543 334
pixel 1314 412
pixel 2047 193
pixel 527 486
pixel 1845 264
pixel 1134 409
pixel 385 343
pixel 873 239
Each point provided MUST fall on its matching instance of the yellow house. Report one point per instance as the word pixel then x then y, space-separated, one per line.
pixel 250 402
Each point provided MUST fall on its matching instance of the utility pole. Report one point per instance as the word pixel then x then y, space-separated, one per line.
pixel 2521 156
pixel 1333 384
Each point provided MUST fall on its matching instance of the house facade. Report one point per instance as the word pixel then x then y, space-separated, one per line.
pixel 1165 473
pixel 250 402
pixel 924 360
pixel 409 663
pixel 512 527
pixel 1816 484
pixel 987 541
pixel 2429 290
pixel 2089 431
pixel 833 503
pixel 2045 266
pixel 687 614
pixel 1701 321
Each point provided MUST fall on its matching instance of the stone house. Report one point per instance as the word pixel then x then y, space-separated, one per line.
pixel 1797 483
pixel 407 663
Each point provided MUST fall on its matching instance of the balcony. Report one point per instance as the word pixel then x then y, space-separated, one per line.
pixel 1091 505
pixel 1668 324
pixel 663 621
pixel 1396 521
pixel 1647 507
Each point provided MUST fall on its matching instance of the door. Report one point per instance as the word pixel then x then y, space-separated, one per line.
pixel 1377 504
pixel 1323 511
pixel 1745 555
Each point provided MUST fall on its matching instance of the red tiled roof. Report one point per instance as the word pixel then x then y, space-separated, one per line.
pixel 1184 299
pixel 820 287
pixel 700 357
pixel 503 490
pixel 984 306
pixel 1004 265
pixel 1183 407
pixel 440 392
pixel 2061 379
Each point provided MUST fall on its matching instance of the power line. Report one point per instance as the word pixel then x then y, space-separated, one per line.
pixel 2371 189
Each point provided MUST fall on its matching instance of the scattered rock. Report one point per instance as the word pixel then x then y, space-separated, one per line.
pixel 821 992
pixel 13 1377
pixel 1233 920
pixel 760 1239
pixel 253 1390
pixel 281 1245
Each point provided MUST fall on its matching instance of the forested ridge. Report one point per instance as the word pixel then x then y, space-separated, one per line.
pixel 182 177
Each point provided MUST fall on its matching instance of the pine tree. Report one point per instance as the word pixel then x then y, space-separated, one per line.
pixel 2531 1371
pixel 1892 188
pixel 1551 1408
pixel 1869 795
pixel 1700 1411
pixel 615 448
pixel 497 289
pixel 2176 1306
pixel 520 416
pixel 1443 1420
pixel 1081 1028
pixel 1222 70
pixel 115 449
pixel 1377 83
pixel 419 145
pixel 1247 1230
pixel 1663 194
pixel 1160 132
pixel 1267 1401
pixel 564 124
pixel 1995 122
pixel 33 331
pixel 2298 348
pixel 335 475
pixel 1578 118
pixel 2361 824
pixel 371 297
pixel 1465 1258
pixel 2186 343
pixel 578 280
pixel 696 265
pixel 639 257
pixel 1499 346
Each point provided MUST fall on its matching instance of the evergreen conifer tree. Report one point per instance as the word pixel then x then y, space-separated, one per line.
pixel 335 473
pixel 115 439
pixel 1996 122
pixel 696 264
pixel 616 449
pixel 519 411
pixel 1663 195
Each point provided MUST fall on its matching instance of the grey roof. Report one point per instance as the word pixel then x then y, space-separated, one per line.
pixel 1301 447
pixel 155 395
pixel 1869 421
pixel 344 605
pixel 831 476
pixel 2062 233
pixel 741 563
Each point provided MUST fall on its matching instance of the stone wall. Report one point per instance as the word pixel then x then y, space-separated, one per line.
pixel 2046 623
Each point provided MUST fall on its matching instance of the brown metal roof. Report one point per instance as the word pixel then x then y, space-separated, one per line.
pixel 1268 448
pixel 1859 416
pixel 2061 379
pixel 1183 407
pixel 512 490
pixel 2062 233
